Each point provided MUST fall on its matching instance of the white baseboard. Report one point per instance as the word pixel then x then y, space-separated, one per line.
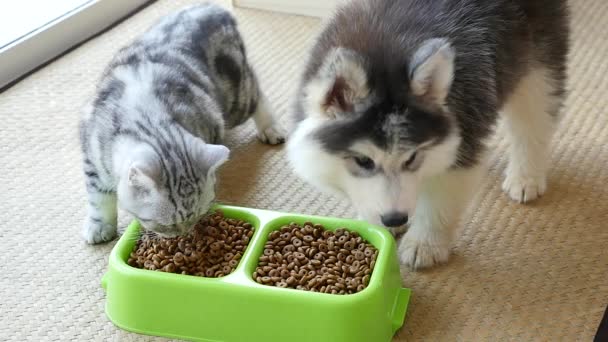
pixel 314 8
pixel 49 41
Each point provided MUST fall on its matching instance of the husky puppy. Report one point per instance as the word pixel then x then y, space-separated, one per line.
pixel 399 96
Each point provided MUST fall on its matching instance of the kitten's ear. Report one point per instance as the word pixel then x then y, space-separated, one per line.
pixel 214 156
pixel 340 83
pixel 143 178
pixel 431 70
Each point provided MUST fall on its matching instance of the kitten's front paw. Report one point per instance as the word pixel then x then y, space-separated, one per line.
pixel 522 188
pixel 418 253
pixel 95 231
pixel 273 135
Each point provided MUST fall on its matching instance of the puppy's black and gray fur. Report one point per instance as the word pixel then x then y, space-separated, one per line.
pixel 404 93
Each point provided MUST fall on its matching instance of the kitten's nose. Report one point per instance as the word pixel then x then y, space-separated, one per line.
pixel 394 219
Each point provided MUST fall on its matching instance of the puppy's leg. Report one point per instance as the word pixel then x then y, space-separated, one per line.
pixel 438 209
pixel 101 220
pixel 530 118
pixel 269 130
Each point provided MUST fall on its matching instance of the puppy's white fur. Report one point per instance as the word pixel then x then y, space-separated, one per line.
pixel 529 121
pixel 441 200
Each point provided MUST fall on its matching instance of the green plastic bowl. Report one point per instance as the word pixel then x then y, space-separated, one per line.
pixel 235 308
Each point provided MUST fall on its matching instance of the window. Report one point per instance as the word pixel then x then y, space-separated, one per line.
pixel 33 32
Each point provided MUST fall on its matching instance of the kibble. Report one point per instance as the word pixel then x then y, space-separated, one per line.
pixel 308 257
pixel 212 249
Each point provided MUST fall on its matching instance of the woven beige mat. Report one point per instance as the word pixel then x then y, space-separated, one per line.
pixel 533 272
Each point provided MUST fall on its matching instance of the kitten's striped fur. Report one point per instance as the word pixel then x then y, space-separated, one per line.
pixel 150 135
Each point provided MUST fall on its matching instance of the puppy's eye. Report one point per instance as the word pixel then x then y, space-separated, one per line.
pixel 365 163
pixel 408 163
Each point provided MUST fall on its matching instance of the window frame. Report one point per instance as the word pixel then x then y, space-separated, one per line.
pixel 39 47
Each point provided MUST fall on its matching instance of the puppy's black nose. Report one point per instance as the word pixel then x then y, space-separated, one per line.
pixel 394 219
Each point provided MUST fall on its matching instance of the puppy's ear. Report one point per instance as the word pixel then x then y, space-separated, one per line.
pixel 431 71
pixel 340 83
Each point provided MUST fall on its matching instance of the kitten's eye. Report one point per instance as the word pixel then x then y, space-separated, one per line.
pixel 408 163
pixel 365 163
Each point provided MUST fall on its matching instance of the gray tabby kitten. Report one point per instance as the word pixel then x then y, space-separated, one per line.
pixel 151 135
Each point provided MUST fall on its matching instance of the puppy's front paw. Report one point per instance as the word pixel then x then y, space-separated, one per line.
pixel 523 188
pixel 273 135
pixel 95 231
pixel 397 231
pixel 418 253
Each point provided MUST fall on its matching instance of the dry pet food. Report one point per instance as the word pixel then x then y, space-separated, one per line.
pixel 212 249
pixel 311 258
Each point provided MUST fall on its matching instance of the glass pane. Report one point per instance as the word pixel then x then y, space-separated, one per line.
pixel 21 17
